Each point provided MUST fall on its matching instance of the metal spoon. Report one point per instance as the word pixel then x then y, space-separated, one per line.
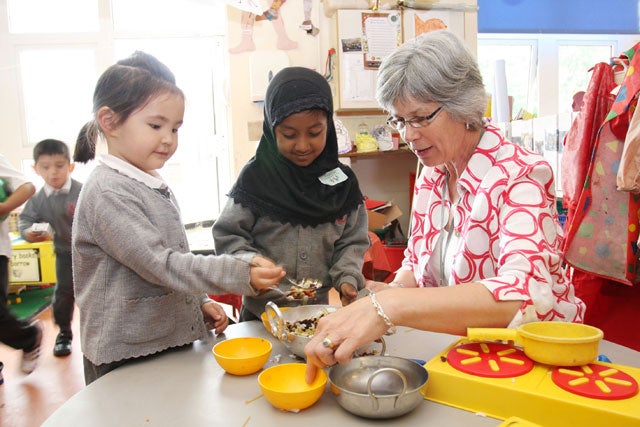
pixel 300 284
pixel 252 264
pixel 293 282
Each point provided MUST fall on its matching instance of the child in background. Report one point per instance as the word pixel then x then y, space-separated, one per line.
pixel 13 332
pixel 139 289
pixel 55 204
pixel 294 202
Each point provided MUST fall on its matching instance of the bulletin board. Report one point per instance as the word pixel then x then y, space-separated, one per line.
pixel 364 38
pixel 357 60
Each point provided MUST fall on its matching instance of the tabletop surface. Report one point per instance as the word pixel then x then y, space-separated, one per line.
pixel 188 388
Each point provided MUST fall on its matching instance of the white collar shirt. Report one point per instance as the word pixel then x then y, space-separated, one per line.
pixel 49 190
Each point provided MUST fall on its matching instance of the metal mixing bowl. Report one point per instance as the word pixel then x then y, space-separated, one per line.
pixel 378 386
pixel 277 320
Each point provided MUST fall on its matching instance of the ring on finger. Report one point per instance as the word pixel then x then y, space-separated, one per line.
pixel 326 342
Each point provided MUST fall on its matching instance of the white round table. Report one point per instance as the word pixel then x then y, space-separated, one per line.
pixel 188 388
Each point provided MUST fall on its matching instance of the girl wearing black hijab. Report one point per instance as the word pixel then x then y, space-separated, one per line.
pixel 294 202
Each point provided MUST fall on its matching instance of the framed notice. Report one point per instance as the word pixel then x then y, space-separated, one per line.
pixel 25 266
pixel 381 34
pixel 364 38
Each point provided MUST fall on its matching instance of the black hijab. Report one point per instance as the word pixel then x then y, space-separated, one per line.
pixel 273 186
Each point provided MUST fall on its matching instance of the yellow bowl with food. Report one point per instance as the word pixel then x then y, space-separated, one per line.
pixel 242 356
pixel 285 388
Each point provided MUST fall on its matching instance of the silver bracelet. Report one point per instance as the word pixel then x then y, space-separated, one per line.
pixel 391 327
pixel 396 284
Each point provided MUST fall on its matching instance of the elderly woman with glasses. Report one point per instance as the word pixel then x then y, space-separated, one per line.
pixel 484 244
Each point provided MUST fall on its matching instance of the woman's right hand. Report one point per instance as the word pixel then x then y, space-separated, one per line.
pixel 264 273
pixel 376 286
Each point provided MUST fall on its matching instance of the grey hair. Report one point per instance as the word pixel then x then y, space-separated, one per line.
pixel 435 67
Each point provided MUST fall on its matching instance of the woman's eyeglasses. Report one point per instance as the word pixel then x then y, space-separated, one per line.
pixel 414 122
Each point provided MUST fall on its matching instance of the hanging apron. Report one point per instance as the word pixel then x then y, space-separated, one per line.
pixel 602 237
pixel 579 142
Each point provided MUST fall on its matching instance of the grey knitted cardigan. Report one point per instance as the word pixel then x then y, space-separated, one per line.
pixel 332 252
pixel 138 287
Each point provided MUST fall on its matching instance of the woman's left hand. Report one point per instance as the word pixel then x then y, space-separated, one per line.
pixel 214 317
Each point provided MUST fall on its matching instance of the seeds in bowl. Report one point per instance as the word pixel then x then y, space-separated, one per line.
pixel 303 290
pixel 304 327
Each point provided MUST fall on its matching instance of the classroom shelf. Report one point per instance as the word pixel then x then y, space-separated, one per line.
pixel 400 151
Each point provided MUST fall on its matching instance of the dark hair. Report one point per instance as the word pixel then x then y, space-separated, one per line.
pixel 124 87
pixel 85 149
pixel 50 147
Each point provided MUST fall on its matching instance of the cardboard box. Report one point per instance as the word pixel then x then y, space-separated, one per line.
pixel 379 219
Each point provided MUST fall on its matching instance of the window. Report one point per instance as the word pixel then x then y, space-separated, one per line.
pixel 60 16
pixel 565 39
pixel 520 69
pixel 59 52
pixel 193 171
pixel 163 17
pixel 544 71
pixel 56 82
pixel 574 62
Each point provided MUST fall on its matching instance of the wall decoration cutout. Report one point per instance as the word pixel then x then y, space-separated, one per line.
pixel 269 10
pixel 424 21
pixel 263 65
pixel 274 15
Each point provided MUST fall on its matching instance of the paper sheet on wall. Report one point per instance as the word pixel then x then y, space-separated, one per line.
pixel 359 83
pixel 382 34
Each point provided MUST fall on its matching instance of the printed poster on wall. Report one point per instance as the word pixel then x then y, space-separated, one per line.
pixel 381 35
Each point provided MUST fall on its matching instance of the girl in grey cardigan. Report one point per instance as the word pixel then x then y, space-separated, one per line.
pixel 294 202
pixel 138 287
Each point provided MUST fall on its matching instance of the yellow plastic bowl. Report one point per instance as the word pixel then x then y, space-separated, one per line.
pixel 242 356
pixel 285 388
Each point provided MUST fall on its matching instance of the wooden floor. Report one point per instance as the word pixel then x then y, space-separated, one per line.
pixel 27 400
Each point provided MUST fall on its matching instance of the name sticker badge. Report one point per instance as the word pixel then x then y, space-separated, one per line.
pixel 333 177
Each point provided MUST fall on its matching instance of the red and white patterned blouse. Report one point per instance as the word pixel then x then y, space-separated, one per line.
pixel 507 228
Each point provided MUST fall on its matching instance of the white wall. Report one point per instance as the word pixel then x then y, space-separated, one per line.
pixel 311 52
